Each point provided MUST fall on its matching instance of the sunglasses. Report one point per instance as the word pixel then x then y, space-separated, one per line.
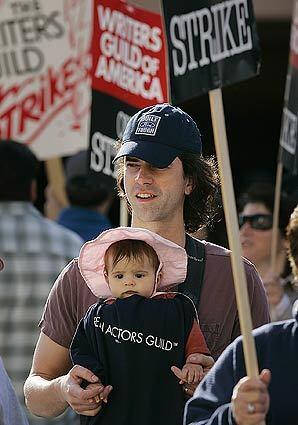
pixel 256 221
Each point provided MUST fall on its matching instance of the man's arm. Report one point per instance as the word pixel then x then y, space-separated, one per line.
pixel 257 300
pixel 52 385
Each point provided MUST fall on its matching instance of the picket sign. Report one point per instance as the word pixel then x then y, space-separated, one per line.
pixel 276 208
pixel 288 143
pixel 221 145
pixel 240 283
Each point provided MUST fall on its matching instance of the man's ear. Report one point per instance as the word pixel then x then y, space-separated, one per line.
pixel 189 186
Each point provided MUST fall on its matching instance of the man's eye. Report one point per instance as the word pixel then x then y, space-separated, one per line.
pixel 153 168
pixel 132 164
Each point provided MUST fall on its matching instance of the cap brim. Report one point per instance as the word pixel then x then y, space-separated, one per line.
pixel 160 156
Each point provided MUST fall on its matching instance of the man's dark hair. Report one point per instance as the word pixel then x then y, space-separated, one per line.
pixel 201 206
pixel 18 169
pixel 263 193
pixel 87 191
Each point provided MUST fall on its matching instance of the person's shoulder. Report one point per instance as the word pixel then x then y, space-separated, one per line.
pixel 58 229
pixel 70 279
pixel 61 241
pixel 49 226
pixel 211 249
pixel 268 331
pixel 214 251
pixel 275 328
pixel 72 269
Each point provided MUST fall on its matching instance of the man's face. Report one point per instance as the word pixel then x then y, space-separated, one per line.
pixel 155 194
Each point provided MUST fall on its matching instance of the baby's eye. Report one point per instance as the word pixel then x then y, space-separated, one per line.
pixel 119 276
pixel 140 275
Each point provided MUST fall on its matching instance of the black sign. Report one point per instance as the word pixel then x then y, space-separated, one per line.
pixel 210 45
pixel 288 137
pixel 109 117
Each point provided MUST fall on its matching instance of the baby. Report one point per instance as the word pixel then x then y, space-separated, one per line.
pixel 138 336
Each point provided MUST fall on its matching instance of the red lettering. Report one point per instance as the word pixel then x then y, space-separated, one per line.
pixel 6 120
pixel 19 105
pixel 26 111
pixel 54 90
pixel 70 71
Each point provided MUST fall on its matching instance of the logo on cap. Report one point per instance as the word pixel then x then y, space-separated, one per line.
pixel 148 125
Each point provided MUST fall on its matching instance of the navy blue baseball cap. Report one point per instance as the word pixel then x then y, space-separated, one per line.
pixel 158 134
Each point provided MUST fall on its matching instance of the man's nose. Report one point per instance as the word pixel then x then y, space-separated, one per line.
pixel 144 175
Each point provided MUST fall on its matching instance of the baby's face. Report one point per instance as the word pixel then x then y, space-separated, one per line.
pixel 129 277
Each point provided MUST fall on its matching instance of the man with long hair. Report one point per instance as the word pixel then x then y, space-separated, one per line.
pixel 170 189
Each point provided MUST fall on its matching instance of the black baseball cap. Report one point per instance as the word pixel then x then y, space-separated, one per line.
pixel 158 134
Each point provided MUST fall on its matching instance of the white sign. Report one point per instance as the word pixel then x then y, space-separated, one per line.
pixel 45 82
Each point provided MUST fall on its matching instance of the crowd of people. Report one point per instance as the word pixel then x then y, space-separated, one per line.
pixel 132 319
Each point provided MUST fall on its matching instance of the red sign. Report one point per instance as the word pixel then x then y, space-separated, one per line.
pixel 128 48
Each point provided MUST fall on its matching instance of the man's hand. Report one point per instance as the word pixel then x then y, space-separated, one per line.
pixel 193 361
pixel 205 361
pixel 83 401
pixel 250 399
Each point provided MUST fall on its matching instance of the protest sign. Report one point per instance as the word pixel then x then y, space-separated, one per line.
pixel 289 134
pixel 45 74
pixel 128 74
pixel 288 153
pixel 210 45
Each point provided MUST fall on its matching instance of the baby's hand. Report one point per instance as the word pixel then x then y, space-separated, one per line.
pixel 190 373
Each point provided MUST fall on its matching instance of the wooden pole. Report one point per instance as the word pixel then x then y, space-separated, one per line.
pixel 221 144
pixel 55 174
pixel 275 226
pixel 123 213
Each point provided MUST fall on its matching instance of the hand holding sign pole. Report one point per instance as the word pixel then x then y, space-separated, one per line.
pixel 209 47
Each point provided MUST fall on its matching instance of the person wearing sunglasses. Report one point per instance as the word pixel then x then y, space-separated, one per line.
pixel 255 223
pixel 226 395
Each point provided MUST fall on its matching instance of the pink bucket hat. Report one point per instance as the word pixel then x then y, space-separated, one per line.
pixel 173 258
